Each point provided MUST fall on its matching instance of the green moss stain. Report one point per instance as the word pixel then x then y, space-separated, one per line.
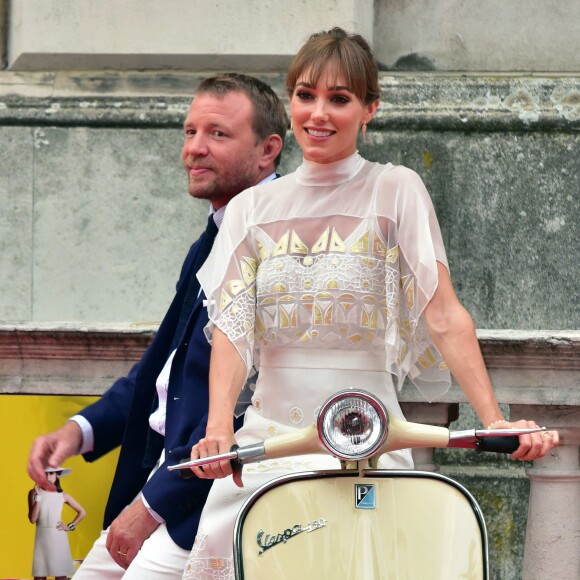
pixel 428 159
pixel 504 503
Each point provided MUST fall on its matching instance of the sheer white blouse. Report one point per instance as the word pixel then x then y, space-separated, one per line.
pixel 337 256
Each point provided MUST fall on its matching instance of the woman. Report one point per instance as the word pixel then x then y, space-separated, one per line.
pixel 332 277
pixel 51 547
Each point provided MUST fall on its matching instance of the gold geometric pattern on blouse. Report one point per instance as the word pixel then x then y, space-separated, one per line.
pixel 362 244
pixel 281 247
pixel 297 246
pixel 262 251
pixel 249 266
pixel 291 243
pixel 336 243
pixel 338 292
pixel 408 285
pixel 291 270
pixel 392 254
pixel 426 358
pixel 322 242
pixel 236 286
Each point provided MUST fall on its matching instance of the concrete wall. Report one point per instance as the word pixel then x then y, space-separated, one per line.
pixel 489 35
pixel 493 35
pixel 97 219
pixel 174 34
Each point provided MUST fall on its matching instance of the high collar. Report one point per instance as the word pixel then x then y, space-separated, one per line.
pixel 311 173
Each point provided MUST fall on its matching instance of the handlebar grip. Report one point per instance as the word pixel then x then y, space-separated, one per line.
pixel 235 463
pixel 188 474
pixel 498 444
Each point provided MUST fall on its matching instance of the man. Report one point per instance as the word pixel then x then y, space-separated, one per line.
pixel 234 134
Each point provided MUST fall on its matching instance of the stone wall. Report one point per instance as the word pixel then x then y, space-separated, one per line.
pixel 489 35
pixel 482 99
pixel 96 217
pixel 95 198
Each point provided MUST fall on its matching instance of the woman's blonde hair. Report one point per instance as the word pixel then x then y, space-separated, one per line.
pixel 347 55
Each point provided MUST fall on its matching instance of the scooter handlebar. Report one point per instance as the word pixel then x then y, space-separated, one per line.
pixel 402 435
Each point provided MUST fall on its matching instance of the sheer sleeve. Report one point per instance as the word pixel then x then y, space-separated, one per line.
pixel 228 279
pixel 419 246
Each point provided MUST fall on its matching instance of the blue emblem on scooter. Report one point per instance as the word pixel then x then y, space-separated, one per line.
pixel 364 496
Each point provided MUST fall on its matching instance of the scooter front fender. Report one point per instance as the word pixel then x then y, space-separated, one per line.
pixel 373 525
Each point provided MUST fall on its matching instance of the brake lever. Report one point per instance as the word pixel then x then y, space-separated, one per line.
pixel 237 456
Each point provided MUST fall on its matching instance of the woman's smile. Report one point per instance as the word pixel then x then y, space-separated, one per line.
pixel 319 133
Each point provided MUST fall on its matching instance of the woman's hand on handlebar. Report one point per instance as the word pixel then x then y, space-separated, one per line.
pixel 534 445
pixel 213 443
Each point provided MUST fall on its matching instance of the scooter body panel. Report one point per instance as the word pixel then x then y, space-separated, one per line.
pixel 373 525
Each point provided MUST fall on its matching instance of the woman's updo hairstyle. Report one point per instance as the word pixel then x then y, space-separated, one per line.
pixel 347 55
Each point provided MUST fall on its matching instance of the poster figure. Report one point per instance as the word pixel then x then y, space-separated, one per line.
pixel 52 555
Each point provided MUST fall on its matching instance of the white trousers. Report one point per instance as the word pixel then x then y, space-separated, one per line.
pixel 159 558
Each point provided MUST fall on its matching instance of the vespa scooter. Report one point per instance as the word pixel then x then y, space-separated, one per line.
pixel 359 521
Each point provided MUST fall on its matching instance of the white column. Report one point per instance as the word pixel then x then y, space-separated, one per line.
pixel 553 531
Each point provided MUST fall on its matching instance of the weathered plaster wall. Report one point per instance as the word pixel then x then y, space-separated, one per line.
pixel 175 34
pixel 447 35
pixel 97 218
pixel 490 35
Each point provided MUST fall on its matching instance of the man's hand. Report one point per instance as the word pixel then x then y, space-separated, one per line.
pixel 51 450
pixel 128 532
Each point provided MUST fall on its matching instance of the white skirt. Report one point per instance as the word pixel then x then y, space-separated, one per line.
pixel 292 386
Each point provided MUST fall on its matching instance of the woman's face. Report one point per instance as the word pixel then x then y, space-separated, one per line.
pixel 51 476
pixel 326 118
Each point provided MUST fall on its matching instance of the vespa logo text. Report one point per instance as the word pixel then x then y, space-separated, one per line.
pixel 364 496
pixel 267 541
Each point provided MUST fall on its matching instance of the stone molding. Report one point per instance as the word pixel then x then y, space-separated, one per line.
pixel 72 342
pixel 39 356
pixel 558 349
pixel 68 359
pixel 434 101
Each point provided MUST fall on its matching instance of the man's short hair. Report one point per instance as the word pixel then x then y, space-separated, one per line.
pixel 269 113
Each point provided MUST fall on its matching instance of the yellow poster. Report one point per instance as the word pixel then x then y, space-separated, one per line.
pixel 22 418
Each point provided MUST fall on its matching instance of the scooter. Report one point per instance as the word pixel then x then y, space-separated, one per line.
pixel 360 521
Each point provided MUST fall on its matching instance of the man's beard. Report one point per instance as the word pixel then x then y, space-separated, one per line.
pixel 224 186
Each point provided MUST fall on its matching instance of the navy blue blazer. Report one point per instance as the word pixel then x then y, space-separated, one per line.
pixel 121 417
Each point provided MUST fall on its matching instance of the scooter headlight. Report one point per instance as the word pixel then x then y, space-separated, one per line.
pixel 353 425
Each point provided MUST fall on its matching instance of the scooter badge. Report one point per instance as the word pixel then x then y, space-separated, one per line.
pixel 267 541
pixel 364 496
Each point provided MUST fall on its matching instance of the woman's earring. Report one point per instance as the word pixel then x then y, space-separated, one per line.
pixel 291 126
pixel 364 132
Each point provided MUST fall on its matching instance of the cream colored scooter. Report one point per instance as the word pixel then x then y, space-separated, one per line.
pixel 361 522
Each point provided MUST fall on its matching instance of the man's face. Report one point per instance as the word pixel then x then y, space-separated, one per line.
pixel 220 153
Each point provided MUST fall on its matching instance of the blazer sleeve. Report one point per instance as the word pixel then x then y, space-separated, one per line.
pixel 172 496
pixel 108 416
